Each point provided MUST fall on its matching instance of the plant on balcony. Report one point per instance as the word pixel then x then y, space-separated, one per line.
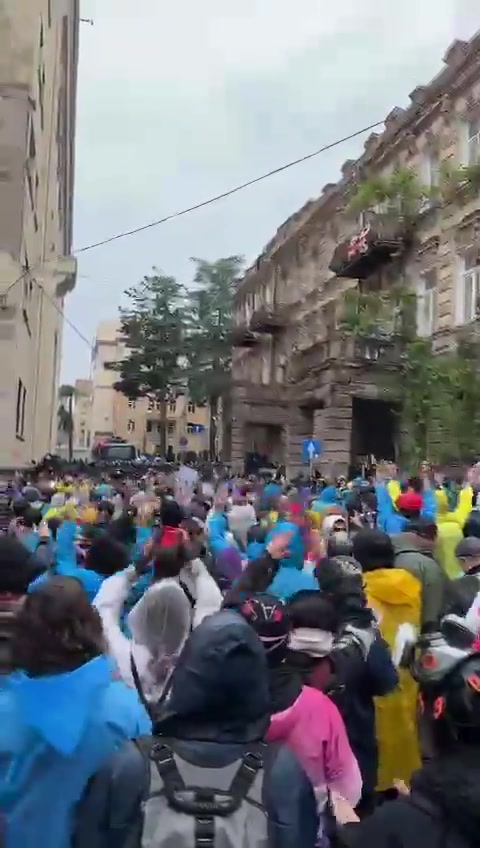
pixel 462 183
pixel 400 196
pixel 381 315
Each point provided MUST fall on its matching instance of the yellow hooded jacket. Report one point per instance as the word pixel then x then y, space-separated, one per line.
pixel 395 596
pixel 450 526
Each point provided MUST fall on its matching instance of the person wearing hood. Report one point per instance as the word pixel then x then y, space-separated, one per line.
pixel 450 528
pixel 312 648
pixel 414 552
pixel 397 508
pixel 90 565
pixel 441 806
pixel 327 498
pixel 304 719
pixel 395 596
pixel 63 715
pixel 292 575
pixel 218 709
pixel 159 624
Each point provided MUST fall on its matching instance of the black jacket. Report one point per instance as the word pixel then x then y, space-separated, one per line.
pixel 443 810
pixel 462 592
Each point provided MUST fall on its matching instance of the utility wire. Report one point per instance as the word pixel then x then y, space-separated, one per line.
pixel 182 212
pixel 228 193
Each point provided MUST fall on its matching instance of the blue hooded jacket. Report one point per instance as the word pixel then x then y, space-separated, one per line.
pixel 66 563
pixel 220 704
pixel 390 520
pixel 291 577
pixel 328 497
pixel 217 530
pixel 56 732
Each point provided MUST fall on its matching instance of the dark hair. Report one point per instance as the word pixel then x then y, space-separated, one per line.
pixel 17 566
pixel 123 528
pixel 56 630
pixel 193 527
pixel 54 523
pixel 171 514
pixel 416 483
pixel 472 525
pixel 309 608
pixel 424 528
pixel 32 517
pixel 257 533
pixel 336 547
pixel 107 507
pixel 106 556
pixel 373 549
pixel 19 507
pixel 168 562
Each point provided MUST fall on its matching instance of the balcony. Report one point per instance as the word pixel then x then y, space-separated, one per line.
pixel 383 351
pixel 268 319
pixel 377 244
pixel 242 336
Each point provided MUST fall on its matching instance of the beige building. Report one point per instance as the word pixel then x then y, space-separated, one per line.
pixel 38 80
pixel 112 414
pixel 298 373
pixel 82 418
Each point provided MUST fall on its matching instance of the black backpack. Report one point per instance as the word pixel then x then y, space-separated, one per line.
pixel 450 835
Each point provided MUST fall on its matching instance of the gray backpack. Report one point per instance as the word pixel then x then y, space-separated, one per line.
pixel 193 807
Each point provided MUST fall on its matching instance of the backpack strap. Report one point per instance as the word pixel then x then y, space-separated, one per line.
pixel 191 600
pixel 138 686
pixel 252 763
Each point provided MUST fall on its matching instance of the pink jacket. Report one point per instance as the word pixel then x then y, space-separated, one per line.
pixel 314 730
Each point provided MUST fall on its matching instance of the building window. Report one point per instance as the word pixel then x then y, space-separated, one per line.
pixel 151 405
pixel 149 426
pixel 470 289
pixel 131 403
pixel 427 303
pixel 81 441
pixel 171 428
pixel 172 406
pixel 159 427
pixel 42 39
pixel 20 410
pixel 473 141
pixel 191 407
pixel 131 425
pixel 159 405
pixel 49 13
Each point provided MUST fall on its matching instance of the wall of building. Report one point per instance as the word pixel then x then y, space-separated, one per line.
pixel 306 361
pixel 137 421
pixel 38 62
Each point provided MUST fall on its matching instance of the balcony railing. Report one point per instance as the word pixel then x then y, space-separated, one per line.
pixel 347 349
pixel 377 244
pixel 242 336
pixel 268 319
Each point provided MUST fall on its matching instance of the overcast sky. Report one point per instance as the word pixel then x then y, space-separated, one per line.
pixel 182 100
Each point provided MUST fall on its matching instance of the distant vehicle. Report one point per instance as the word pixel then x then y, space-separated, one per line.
pixel 115 451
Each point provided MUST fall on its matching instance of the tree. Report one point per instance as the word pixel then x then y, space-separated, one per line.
pixel 153 328
pixel 209 339
pixel 65 415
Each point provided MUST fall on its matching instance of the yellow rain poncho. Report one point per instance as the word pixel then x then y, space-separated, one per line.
pixel 450 526
pixel 395 596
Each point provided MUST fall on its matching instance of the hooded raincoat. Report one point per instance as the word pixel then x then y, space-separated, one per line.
pixel 56 732
pixel 450 526
pixel 293 575
pixel 159 623
pixel 219 705
pixel 395 597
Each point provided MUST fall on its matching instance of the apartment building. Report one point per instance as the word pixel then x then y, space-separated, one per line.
pixel 38 80
pixel 138 421
pixel 82 418
pixel 297 372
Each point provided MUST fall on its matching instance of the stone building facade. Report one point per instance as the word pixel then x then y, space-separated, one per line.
pixel 297 372
pixel 38 87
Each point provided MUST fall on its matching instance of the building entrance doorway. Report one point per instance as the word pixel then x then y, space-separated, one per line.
pixel 374 432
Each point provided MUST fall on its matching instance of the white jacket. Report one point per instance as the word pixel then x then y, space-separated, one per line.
pixel 154 650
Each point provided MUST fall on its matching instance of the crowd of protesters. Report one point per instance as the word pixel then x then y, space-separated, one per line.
pixel 240 662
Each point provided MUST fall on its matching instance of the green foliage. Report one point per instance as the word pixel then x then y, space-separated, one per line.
pixel 380 314
pixel 459 183
pixel 154 331
pixel 400 195
pixel 209 348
